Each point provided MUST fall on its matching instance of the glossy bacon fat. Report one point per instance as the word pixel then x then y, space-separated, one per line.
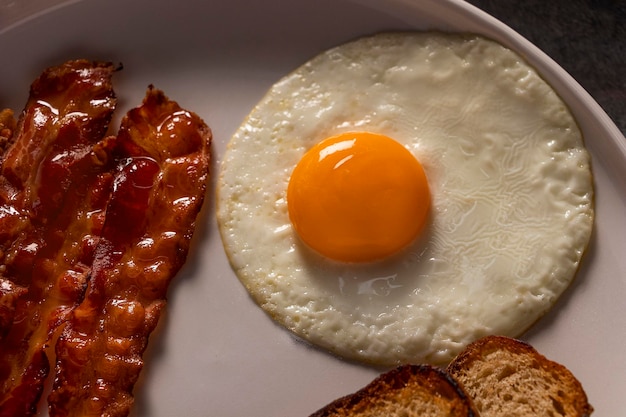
pixel 111 228
pixel 163 166
pixel 51 181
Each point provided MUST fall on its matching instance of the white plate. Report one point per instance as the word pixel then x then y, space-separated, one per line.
pixel 215 353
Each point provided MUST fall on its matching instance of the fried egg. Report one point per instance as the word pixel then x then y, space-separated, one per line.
pixel 403 194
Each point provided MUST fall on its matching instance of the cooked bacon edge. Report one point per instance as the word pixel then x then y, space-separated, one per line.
pixel 163 158
pixel 9 291
pixel 51 181
pixel 92 231
pixel 7 127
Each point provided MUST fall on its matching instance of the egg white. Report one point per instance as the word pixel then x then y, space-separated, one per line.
pixel 511 184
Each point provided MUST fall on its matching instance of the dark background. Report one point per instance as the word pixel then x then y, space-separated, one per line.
pixel 586 37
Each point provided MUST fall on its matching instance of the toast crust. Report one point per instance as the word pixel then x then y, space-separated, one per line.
pixel 409 391
pixel 506 376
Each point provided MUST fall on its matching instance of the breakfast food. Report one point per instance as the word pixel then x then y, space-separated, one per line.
pixel 495 376
pixel 406 391
pixel 94 227
pixel 7 126
pixel 508 204
pixel 162 153
pixel 32 198
pixel 46 174
pixel 508 377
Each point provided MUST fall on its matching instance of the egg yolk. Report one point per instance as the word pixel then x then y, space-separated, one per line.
pixel 358 197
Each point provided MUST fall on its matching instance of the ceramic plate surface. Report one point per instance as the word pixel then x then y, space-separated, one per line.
pixel 215 352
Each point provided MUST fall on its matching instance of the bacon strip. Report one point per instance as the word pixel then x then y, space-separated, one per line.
pixel 163 157
pixel 7 128
pixel 9 291
pixel 54 187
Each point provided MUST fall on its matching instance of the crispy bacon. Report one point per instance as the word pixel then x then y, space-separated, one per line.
pixel 163 154
pixel 7 127
pixel 92 231
pixel 51 183
pixel 9 291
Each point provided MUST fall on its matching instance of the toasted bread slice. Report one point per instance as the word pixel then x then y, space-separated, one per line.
pixel 508 377
pixel 406 391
